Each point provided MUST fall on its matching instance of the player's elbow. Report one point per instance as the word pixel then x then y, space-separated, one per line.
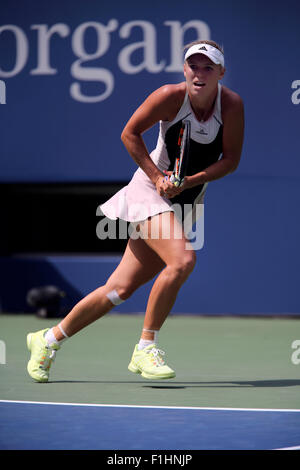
pixel 231 164
pixel 126 139
pixel 128 135
pixel 124 135
pixel 233 167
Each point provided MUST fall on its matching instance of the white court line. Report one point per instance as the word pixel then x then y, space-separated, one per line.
pixel 289 448
pixel 151 407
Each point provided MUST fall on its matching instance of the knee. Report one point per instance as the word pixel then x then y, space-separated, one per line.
pixel 188 263
pixel 183 267
pixel 125 291
pixel 120 293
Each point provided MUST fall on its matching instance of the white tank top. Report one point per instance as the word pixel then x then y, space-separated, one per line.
pixel 201 133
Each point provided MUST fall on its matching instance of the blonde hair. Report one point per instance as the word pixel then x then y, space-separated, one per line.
pixel 204 41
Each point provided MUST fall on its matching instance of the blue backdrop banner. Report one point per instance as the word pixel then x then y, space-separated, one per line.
pixel 74 71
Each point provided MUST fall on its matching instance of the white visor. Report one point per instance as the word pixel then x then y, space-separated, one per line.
pixel 211 52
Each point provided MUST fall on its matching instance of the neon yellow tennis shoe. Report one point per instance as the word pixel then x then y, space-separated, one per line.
pixel 150 364
pixel 42 355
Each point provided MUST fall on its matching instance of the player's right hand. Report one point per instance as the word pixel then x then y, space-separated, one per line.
pixel 166 188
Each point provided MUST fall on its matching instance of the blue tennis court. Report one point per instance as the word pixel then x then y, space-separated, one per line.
pixel 60 426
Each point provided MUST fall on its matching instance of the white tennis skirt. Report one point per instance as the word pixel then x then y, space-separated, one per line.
pixel 139 200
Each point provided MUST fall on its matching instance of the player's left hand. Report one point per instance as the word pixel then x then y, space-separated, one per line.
pixel 170 189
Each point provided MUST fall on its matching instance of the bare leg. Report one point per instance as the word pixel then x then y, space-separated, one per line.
pixel 138 265
pixel 179 262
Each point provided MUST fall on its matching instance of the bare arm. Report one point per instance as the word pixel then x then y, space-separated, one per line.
pixel 163 105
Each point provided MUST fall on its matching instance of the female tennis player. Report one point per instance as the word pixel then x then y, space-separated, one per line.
pixel 217 124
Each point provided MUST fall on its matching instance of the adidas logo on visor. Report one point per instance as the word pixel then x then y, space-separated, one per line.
pixel 214 54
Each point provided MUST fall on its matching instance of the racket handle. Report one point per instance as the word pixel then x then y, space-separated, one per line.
pixel 176 181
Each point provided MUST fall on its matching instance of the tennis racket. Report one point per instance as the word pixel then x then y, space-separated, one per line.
pixel 182 160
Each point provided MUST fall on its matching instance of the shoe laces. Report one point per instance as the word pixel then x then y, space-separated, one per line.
pixel 157 356
pixel 48 358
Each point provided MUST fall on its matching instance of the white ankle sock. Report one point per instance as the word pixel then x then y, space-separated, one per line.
pixel 143 343
pixel 50 337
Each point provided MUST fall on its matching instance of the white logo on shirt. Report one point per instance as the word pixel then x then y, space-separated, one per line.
pixel 202 131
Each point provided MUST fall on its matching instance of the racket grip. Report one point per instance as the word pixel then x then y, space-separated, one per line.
pixel 176 181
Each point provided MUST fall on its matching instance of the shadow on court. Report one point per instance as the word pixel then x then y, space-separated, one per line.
pixel 181 385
